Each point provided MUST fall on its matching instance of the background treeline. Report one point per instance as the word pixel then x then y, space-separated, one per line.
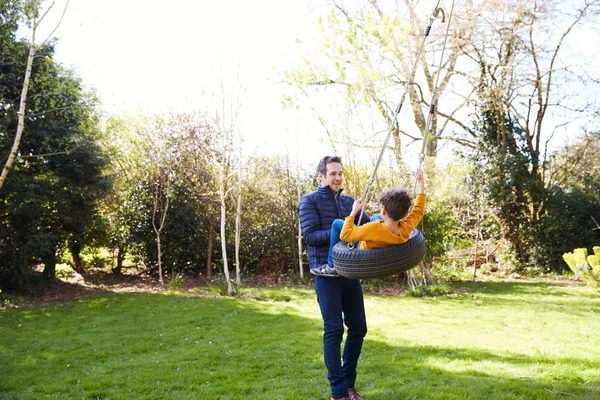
pixel 175 192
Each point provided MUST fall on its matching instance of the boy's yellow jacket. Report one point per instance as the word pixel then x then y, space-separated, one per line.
pixel 375 235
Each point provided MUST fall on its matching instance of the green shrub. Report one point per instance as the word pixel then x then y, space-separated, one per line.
pixel 594 262
pixel 439 289
pixel 581 265
pixel 64 271
pixel 8 299
pixel 566 225
pixel 221 289
pixel 176 282
pixel 295 278
pixel 507 257
pixel 455 268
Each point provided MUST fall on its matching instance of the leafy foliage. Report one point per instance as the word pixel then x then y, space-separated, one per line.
pixel 51 194
pixel 578 263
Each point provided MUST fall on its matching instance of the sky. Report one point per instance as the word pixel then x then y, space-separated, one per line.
pixel 155 56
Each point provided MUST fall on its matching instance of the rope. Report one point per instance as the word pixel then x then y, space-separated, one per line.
pixel 435 14
pixel 434 96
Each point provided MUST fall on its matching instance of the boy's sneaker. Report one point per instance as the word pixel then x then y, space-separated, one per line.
pixel 325 270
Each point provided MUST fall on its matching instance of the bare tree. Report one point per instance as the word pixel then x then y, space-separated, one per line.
pixel 298 197
pixel 36 20
pixel 223 175
pixel 197 149
pixel 159 214
pixel 157 136
pixel 369 53
pixel 522 82
pixel 227 117
pixel 238 216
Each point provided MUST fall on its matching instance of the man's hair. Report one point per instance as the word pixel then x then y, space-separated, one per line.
pixel 397 202
pixel 322 167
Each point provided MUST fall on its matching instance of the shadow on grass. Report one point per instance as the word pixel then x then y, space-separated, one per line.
pixel 147 346
pixel 546 288
pixel 426 372
pixel 546 295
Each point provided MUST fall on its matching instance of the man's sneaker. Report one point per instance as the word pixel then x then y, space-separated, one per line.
pixel 325 270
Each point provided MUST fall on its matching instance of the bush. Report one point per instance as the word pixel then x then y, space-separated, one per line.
pixel 583 266
pixel 176 282
pixel 439 289
pixel 64 271
pixel 594 261
pixel 565 226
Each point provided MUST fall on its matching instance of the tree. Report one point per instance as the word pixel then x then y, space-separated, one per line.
pixel 226 120
pixel 576 166
pixel 161 167
pixel 198 149
pixel 269 215
pixel 572 216
pixel 56 179
pixel 122 209
pixel 238 215
pixel 519 85
pixel 370 54
pixel 33 11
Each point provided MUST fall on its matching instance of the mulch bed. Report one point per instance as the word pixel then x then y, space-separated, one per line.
pixel 96 282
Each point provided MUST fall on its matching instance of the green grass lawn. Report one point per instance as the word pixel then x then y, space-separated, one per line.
pixel 492 340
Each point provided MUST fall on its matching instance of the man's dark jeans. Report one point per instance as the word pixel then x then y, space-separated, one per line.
pixel 341 298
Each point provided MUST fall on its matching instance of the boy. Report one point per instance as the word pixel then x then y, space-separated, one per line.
pixel 386 229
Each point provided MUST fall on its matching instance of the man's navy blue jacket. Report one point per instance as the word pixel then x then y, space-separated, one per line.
pixel 317 211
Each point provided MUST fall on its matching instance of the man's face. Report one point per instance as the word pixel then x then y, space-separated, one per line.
pixel 333 177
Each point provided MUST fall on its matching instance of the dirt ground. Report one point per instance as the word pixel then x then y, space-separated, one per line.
pixel 96 282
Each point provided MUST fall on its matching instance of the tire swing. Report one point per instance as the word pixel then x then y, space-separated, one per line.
pixel 352 262
pixel 378 263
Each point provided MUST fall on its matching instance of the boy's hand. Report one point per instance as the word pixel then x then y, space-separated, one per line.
pixel 358 204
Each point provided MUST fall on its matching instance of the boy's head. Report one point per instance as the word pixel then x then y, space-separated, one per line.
pixel 397 202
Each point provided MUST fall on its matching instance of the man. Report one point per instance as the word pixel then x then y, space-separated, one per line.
pixel 340 299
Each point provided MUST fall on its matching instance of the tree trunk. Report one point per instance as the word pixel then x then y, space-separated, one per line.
pixel 211 230
pixel 397 146
pixel 120 257
pixel 298 197
pixel 224 238
pixel 75 249
pixel 49 261
pixel 431 147
pixel 160 275
pixel 162 207
pixel 238 220
pixel 21 124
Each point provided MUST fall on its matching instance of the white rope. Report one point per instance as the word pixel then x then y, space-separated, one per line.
pixel 436 11
pixel 433 103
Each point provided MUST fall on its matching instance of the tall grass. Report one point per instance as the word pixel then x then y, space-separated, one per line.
pixel 499 340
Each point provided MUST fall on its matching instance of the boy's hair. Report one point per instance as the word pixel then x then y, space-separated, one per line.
pixel 322 167
pixel 397 202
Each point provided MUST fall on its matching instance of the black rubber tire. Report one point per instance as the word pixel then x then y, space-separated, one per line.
pixel 378 263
